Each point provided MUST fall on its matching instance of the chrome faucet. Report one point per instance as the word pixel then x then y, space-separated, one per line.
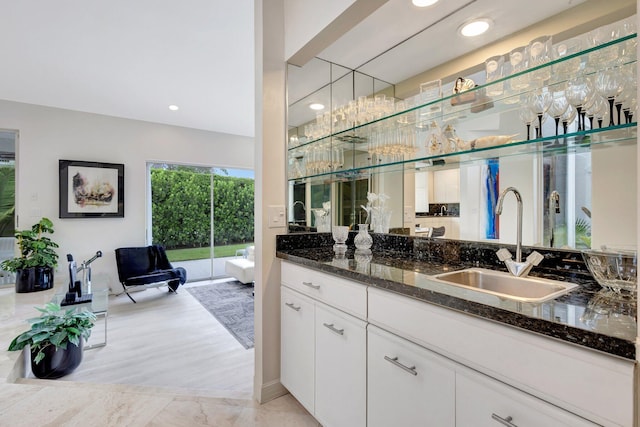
pixel 443 209
pixel 517 268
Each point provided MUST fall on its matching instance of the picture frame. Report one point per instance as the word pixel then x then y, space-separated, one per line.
pixel 91 189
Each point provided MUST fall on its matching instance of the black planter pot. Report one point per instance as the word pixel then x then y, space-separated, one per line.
pixel 57 363
pixel 34 279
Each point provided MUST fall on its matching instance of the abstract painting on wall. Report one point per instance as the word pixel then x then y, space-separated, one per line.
pixel 91 189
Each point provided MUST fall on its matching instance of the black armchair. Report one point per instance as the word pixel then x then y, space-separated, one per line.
pixel 140 266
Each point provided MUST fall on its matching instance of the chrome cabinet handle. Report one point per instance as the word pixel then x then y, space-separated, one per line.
pixel 394 360
pixel 311 285
pixel 292 306
pixel 333 328
pixel 504 421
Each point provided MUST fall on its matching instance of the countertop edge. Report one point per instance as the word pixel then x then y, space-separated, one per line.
pixel 606 344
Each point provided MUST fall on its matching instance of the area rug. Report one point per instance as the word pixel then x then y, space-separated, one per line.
pixel 232 304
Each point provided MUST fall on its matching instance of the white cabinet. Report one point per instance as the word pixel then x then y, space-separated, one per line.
pixel 384 359
pixel 484 402
pixel 446 186
pixel 407 384
pixel 297 358
pixel 422 192
pixel 341 369
pixel 323 349
pixel 552 371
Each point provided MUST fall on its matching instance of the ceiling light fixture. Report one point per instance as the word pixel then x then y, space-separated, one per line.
pixel 475 27
pixel 423 3
pixel 316 106
pixel 173 107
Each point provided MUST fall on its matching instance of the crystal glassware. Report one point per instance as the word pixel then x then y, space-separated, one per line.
pixel 559 105
pixel 363 239
pixel 494 68
pixel 609 84
pixel 540 52
pixel 340 234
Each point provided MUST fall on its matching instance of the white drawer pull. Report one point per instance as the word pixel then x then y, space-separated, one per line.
pixel 504 421
pixel 292 306
pixel 311 285
pixel 334 329
pixel 394 360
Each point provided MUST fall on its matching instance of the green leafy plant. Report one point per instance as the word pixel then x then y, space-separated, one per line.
pixel 36 249
pixel 583 232
pixel 55 327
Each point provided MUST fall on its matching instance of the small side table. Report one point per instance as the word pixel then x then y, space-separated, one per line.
pixel 99 306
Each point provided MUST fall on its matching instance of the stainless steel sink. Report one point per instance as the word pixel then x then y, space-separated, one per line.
pixel 504 285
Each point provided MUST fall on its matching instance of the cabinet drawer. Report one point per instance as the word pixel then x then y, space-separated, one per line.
pixel 560 373
pixel 407 384
pixel 483 402
pixel 345 295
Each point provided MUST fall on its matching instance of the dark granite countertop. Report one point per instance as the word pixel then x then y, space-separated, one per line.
pixel 587 316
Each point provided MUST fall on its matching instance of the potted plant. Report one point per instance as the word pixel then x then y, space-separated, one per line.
pixel 34 267
pixel 55 340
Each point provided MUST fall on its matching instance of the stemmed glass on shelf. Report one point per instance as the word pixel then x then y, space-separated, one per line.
pixel 596 109
pixel 609 83
pixel 559 105
pixel 527 117
pixel 577 92
pixel 539 102
pixel 568 117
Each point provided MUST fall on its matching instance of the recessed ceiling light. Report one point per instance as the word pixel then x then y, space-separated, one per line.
pixel 423 3
pixel 475 27
pixel 173 107
pixel 316 106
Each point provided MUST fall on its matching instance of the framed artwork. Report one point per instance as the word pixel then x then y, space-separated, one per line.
pixel 91 189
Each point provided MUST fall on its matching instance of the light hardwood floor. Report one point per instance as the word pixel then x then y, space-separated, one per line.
pixel 168 362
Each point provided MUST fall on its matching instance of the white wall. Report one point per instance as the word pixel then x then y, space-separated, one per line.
pixel 614 217
pixel 48 134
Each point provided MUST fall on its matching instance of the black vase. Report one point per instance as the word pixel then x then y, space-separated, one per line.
pixel 34 279
pixel 57 362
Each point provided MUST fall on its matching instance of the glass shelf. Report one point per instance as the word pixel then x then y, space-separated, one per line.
pixel 351 153
pixel 574 142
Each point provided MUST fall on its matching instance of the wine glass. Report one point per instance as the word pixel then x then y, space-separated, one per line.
pixel 630 108
pixel 539 102
pixel 609 84
pixel 568 117
pixel 629 86
pixel 527 117
pixel 559 105
pixel 597 109
pixel 577 91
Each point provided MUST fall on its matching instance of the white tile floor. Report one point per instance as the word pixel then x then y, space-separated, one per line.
pixel 168 362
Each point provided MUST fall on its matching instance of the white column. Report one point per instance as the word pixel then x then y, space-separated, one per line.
pixel 270 188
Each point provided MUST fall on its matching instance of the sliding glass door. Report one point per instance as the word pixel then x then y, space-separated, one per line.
pixel 202 216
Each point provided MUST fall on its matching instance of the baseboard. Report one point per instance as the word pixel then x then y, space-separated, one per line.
pixel 271 390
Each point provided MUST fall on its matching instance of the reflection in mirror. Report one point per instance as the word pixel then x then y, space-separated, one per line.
pixel 571 197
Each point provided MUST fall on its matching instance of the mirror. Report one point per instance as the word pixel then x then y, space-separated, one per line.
pixel 571 199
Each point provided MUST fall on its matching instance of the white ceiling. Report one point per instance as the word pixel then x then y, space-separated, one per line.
pixel 133 58
pixel 399 41
pixel 433 34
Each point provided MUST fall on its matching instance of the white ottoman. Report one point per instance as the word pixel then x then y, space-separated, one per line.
pixel 241 268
